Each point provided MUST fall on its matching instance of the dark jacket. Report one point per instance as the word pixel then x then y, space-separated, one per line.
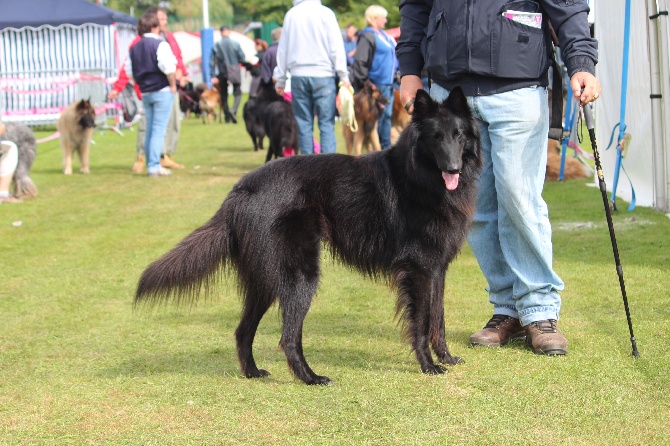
pixel 359 71
pixel 269 62
pixel 473 46
pixel 144 58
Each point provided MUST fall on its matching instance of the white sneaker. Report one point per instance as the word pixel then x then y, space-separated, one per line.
pixel 161 172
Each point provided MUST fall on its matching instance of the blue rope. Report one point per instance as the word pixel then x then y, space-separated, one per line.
pixel 622 115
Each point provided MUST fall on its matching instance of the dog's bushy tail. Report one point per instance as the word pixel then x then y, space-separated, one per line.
pixel 190 269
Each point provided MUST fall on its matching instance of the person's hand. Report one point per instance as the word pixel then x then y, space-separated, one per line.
pixel 409 84
pixel 173 89
pixel 585 87
pixel 280 91
pixel 113 94
pixel 346 84
pixel 215 80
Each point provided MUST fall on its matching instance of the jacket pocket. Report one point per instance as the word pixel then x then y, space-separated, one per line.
pixel 435 45
pixel 518 51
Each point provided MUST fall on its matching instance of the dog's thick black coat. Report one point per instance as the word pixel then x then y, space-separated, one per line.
pixel 388 214
pixel 281 127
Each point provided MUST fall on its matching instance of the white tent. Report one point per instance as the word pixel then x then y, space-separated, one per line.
pixel 647 119
pixel 53 52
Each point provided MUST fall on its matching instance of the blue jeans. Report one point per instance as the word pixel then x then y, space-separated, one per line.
pixel 157 108
pixel 384 124
pixel 310 95
pixel 511 233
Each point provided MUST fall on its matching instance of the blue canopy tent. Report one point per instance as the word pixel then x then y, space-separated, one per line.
pixel 53 52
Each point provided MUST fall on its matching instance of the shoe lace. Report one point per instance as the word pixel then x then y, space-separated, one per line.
pixel 497 320
pixel 548 326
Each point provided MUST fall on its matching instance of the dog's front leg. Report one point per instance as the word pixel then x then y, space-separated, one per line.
pixel 67 158
pixel 437 337
pixel 414 305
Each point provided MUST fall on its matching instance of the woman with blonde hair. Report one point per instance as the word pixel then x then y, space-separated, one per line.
pixel 375 60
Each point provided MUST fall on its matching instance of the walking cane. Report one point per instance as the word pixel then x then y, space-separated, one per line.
pixel 588 117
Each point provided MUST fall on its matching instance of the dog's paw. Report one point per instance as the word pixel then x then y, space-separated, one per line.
pixel 67 172
pixel 260 373
pixel 433 369
pixel 451 360
pixel 320 381
pixel 85 171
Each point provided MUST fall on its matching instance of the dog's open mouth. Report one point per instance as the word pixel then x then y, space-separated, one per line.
pixel 450 180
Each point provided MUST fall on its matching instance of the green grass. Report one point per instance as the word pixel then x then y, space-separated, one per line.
pixel 79 366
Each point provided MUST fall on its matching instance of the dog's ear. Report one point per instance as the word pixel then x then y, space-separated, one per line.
pixel 457 102
pixel 424 106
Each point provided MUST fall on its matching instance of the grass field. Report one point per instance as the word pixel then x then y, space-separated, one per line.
pixel 79 366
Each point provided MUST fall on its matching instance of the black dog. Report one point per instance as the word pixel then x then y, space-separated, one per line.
pixel 189 100
pixel 281 127
pixel 401 214
pixel 254 110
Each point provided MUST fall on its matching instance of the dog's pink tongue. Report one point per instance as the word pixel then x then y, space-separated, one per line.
pixel 450 180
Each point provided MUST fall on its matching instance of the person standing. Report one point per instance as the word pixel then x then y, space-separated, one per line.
pixel 174 125
pixel 227 55
pixel 312 52
pixel 375 60
pixel 504 75
pixel 152 64
pixel 350 40
pixel 269 62
pixel 256 70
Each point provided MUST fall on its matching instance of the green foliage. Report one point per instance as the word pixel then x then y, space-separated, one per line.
pixel 79 365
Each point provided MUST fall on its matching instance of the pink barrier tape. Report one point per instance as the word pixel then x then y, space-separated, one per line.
pixel 7 83
pixel 48 138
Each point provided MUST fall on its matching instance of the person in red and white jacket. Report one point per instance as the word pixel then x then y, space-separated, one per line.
pixel 174 125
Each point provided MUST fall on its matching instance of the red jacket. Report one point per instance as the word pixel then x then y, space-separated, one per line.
pixel 123 77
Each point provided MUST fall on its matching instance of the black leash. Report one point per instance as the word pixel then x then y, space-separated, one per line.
pixel 588 118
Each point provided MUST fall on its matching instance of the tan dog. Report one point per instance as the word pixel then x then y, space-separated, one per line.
pixel 573 168
pixel 210 101
pixel 367 104
pixel 76 125
pixel 399 119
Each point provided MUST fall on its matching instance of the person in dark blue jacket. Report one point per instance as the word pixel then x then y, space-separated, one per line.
pixel 375 60
pixel 500 54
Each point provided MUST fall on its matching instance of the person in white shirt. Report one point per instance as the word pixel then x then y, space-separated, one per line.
pixel 311 50
pixel 152 64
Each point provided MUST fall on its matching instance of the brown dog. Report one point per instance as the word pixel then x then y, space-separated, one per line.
pixel 76 125
pixel 573 168
pixel 367 104
pixel 399 118
pixel 210 101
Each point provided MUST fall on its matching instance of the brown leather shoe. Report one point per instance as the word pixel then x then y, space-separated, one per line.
pixel 169 163
pixel 500 330
pixel 544 337
pixel 138 166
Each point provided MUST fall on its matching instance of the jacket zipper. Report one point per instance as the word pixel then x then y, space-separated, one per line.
pixel 468 36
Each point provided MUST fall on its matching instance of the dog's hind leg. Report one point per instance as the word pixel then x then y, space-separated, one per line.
pixel 254 309
pixel 294 310
pixel 298 265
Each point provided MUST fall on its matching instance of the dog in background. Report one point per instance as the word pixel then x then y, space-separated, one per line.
pixel 401 214
pixel 254 109
pixel 189 100
pixel 76 124
pixel 367 104
pixel 281 128
pixel 24 138
pixel 573 168
pixel 399 118
pixel 210 101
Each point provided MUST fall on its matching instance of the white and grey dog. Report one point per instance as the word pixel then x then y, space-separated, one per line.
pixel 24 138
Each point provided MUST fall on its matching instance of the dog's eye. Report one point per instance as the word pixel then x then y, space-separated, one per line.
pixel 456 134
